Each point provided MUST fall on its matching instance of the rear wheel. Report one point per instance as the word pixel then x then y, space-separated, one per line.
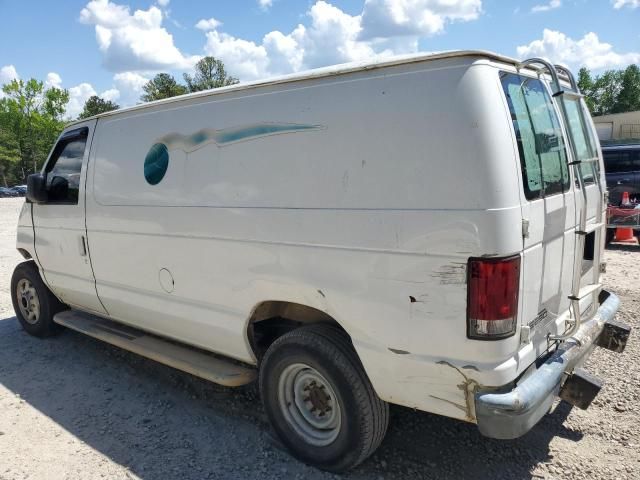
pixel 33 302
pixel 319 399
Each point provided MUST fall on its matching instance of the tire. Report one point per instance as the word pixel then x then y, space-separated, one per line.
pixel 35 305
pixel 319 361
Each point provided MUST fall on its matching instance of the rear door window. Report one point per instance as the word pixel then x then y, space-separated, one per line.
pixel 543 156
pixel 585 145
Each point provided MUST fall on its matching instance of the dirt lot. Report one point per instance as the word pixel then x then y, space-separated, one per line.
pixel 74 408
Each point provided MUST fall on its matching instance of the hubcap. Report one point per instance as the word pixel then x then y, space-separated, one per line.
pixel 309 404
pixel 28 301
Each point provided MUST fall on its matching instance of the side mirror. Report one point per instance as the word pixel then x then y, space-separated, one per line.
pixel 37 188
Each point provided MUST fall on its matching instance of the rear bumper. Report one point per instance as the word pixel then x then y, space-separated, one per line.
pixel 510 414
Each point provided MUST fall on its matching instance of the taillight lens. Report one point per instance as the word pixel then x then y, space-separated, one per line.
pixel 492 303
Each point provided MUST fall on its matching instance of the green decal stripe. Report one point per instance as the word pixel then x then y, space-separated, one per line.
pixel 234 135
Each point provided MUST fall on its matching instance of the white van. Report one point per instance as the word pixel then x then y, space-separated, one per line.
pixel 425 231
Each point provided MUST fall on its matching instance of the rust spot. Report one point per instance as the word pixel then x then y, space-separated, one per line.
pixel 469 386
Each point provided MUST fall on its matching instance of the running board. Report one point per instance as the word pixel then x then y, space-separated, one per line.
pixel 181 357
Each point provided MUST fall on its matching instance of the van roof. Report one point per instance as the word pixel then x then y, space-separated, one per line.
pixel 329 71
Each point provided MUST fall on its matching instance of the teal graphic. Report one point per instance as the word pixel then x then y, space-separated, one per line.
pixel 156 163
pixel 157 160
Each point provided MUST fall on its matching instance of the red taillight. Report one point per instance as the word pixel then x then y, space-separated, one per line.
pixel 492 303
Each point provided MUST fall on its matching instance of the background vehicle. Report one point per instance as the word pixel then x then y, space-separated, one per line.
pixel 303 231
pixel 20 190
pixel 7 192
pixel 622 170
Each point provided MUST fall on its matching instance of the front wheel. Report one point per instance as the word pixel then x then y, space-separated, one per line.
pixel 33 302
pixel 319 400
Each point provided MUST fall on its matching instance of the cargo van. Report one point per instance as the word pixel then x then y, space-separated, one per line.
pixel 424 231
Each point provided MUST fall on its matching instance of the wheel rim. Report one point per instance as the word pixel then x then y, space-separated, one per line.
pixel 28 301
pixel 309 404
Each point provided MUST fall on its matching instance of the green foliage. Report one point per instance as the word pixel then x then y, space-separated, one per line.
pixel 96 105
pixel 209 73
pixel 615 91
pixel 586 86
pixel 628 99
pixel 30 121
pixel 162 86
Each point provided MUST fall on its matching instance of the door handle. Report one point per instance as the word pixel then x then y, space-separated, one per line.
pixel 83 246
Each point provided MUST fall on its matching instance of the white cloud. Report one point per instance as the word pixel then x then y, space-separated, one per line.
pixel 625 3
pixel 7 74
pixel 589 51
pixel 265 4
pixel 243 58
pixel 129 84
pixel 53 80
pixel 163 3
pixel 112 94
pixel 208 24
pixel 333 36
pixel 545 7
pixel 78 95
pixel 386 18
pixel 133 42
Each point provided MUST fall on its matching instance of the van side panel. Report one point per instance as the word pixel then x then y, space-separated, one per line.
pixel 361 195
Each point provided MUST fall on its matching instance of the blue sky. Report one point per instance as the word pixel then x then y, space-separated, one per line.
pixel 111 48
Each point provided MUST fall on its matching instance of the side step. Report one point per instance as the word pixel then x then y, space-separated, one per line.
pixel 187 359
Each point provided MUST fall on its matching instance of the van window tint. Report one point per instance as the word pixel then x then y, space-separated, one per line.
pixel 540 143
pixel 585 144
pixel 63 170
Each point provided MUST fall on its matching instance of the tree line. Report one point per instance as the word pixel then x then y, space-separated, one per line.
pixel 614 91
pixel 32 114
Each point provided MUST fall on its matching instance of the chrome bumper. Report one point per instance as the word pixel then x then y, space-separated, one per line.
pixel 513 413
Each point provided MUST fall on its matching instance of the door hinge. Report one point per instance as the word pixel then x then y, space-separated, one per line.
pixel 525 228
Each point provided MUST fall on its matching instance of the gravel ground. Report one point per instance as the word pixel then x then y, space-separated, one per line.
pixel 74 408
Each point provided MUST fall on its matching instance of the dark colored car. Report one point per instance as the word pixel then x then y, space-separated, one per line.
pixel 622 169
pixel 19 190
pixel 7 192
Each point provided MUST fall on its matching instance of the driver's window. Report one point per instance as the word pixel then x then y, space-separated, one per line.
pixel 63 171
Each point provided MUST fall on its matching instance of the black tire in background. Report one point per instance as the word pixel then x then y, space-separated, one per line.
pixel 323 352
pixel 611 233
pixel 37 322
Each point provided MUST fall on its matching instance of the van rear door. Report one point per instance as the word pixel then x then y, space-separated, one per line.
pixel 548 199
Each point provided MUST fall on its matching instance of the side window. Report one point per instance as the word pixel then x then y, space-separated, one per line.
pixel 63 169
pixel 619 161
pixel 540 143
